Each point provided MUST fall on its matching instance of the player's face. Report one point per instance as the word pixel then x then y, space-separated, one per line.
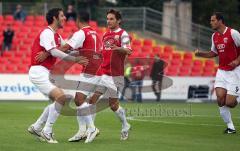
pixel 112 22
pixel 61 19
pixel 214 22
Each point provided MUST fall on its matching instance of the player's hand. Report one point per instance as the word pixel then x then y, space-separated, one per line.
pixel 82 60
pixel 114 47
pixel 41 56
pixel 234 63
pixel 196 52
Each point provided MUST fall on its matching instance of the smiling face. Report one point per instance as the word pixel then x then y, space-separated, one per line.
pixel 112 22
pixel 60 20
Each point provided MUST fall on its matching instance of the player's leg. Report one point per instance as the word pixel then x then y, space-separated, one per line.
pixel 54 112
pixel 120 113
pixel 38 75
pixel 225 110
pixel 82 127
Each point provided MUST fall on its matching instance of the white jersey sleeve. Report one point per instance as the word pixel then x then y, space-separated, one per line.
pixel 125 40
pixel 47 39
pixel 63 42
pixel 213 48
pixel 236 37
pixel 76 41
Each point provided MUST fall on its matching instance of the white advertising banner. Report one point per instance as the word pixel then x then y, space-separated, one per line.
pixel 179 89
pixel 18 87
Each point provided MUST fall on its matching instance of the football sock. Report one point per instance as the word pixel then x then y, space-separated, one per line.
pixel 54 112
pixel 226 116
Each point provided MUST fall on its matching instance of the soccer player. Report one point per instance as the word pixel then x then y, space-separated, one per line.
pixel 47 41
pixel 87 42
pixel 116 47
pixel 225 45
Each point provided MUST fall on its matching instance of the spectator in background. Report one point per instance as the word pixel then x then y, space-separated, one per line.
pixel 157 76
pixel 137 75
pixel 127 74
pixel 8 34
pixel 71 13
pixel 19 13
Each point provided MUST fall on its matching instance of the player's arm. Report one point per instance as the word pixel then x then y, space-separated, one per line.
pixel 125 44
pixel 122 50
pixel 209 54
pixel 59 54
pixel 236 38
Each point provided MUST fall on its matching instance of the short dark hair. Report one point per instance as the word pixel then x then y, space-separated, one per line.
pixel 116 13
pixel 83 16
pixel 54 12
pixel 219 16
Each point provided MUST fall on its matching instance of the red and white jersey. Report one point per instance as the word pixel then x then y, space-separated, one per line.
pixel 46 40
pixel 226 45
pixel 88 43
pixel 113 61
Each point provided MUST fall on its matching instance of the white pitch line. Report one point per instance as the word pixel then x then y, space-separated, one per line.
pixel 175 123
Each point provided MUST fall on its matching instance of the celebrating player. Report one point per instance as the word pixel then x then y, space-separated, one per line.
pixel 47 41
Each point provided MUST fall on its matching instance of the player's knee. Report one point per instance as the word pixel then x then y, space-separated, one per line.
pixel 114 105
pixel 231 104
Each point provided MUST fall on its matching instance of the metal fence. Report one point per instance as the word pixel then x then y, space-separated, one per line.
pixel 38 8
pixel 134 18
pixel 146 19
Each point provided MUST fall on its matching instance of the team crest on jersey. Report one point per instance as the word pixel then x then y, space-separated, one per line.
pixel 225 40
pixel 116 37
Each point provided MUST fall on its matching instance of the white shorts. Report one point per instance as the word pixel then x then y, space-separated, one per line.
pixel 39 76
pixel 112 83
pixel 228 80
pixel 87 83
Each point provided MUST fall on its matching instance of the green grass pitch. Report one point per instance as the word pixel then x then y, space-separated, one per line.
pixel 155 127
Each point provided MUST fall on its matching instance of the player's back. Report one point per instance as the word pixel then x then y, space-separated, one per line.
pixel 91 49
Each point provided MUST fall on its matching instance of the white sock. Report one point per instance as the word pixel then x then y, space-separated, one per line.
pixel 85 113
pixel 54 112
pixel 226 116
pixel 238 99
pixel 42 119
pixel 121 115
pixel 93 117
pixel 81 123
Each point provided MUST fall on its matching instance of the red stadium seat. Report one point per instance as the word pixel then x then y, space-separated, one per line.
pixel 157 49
pixel 136 48
pixel 147 42
pixel 176 56
pixel 29 23
pixel 197 63
pixel 10 68
pixel 3 61
pixel 147 49
pixel 184 71
pixel 168 49
pixel 1 18
pixel 71 23
pixel 188 55
pixel 39 24
pixel 208 74
pixel 8 54
pixel 22 69
pixel 9 18
pixel 209 63
pixel 176 62
pixel 40 18
pixel 136 42
pixel 30 18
